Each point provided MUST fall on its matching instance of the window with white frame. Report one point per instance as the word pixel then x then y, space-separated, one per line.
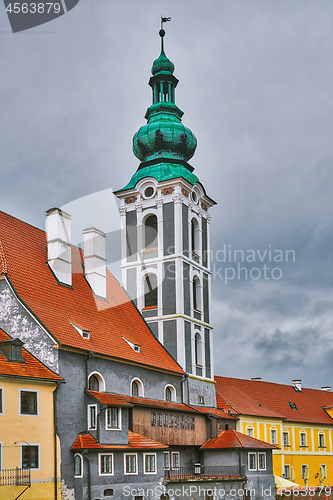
pixel 92 417
pixel 252 461
pixel 30 456
pixel 321 440
pixel 175 459
pixel 105 464
pixel 166 460
pixel 137 388
pixel 93 383
pixel 249 431
pixel 261 461
pixel 198 349
pixel 287 471
pixel 170 393
pixel 151 290
pixel 302 439
pixel 130 463
pixel 324 469
pixel 285 438
pixel 113 417
pixel 28 402
pixel 149 460
pixel 273 436
pixel 304 467
pixel 78 465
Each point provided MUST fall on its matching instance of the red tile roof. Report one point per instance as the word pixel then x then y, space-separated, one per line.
pixel 235 439
pixel 215 411
pixel 122 400
pixel 24 259
pixel 31 368
pixel 135 442
pixel 259 398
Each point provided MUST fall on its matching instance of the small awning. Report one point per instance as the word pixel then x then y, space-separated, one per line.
pixel 281 482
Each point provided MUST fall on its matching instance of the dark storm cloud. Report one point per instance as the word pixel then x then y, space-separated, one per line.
pixel 256 85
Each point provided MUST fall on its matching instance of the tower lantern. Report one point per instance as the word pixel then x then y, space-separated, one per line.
pixel 165 246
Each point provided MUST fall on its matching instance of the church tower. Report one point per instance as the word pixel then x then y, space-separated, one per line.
pixel 165 244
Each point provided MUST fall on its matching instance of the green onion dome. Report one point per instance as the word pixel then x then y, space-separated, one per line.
pixel 162 63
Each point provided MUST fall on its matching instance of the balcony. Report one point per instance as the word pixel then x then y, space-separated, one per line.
pixel 15 477
pixel 203 472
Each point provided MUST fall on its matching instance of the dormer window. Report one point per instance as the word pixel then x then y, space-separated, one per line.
pixel 12 350
pixel 84 333
pixel 135 347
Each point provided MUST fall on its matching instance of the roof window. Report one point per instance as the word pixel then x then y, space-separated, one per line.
pixel 135 347
pixel 84 333
pixel 292 405
pixel 12 350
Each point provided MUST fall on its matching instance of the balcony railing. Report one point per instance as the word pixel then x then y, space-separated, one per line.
pixel 15 477
pixel 198 471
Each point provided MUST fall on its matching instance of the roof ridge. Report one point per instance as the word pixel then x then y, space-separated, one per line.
pixel 265 382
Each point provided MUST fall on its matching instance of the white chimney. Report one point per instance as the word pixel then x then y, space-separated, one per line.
pixel 256 378
pixel 94 260
pixel 326 388
pixel 58 229
pixel 297 385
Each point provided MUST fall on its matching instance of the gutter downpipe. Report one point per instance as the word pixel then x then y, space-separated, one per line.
pixel 55 440
pixel 89 474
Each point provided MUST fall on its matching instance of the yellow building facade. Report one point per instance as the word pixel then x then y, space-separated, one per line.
pixel 297 420
pixel 29 451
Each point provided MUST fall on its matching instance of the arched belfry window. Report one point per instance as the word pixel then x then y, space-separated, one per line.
pixel 196 293
pixel 195 240
pixel 198 349
pixel 93 383
pixel 150 290
pixel 151 240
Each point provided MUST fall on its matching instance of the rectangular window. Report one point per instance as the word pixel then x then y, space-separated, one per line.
pixel 1 400
pixel 252 461
pixel 30 457
pixel 150 463
pixel 16 353
pixel 287 471
pixel 166 460
pixel 249 431
pixel 302 439
pixel 170 420
pixel 273 436
pixel 165 420
pixel 29 403
pixel 261 461
pixel 113 418
pixel 303 470
pixel 187 422
pixel 176 421
pixel 159 420
pixel 175 459
pixel 153 419
pixel 131 464
pixel 285 439
pixel 106 464
pixel 321 441
pixel 324 470
pixel 92 417
pixel 182 425
pixel 192 423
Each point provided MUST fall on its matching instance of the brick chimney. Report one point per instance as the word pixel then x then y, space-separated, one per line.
pixel 58 229
pixel 94 260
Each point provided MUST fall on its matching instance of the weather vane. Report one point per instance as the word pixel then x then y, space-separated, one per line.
pixel 164 20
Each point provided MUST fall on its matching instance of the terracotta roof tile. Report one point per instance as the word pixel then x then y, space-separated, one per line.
pixel 215 411
pixel 247 396
pixel 235 439
pixel 31 368
pixel 135 442
pixel 123 400
pixel 57 306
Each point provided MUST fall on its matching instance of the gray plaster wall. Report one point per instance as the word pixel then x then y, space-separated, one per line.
pixel 17 321
pixel 197 490
pixel 207 353
pixel 153 325
pixel 221 457
pixel 131 287
pixel 170 337
pixel 188 347
pixel 198 388
pixel 168 228
pixel 169 288
pixel 206 297
pixel 131 236
pixel 120 483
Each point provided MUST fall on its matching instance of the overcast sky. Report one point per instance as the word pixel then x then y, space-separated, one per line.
pixel 256 86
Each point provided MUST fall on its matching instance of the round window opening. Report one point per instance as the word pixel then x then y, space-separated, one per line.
pixel 149 191
pixel 194 196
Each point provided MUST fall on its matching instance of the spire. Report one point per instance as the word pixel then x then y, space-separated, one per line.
pixel 164 137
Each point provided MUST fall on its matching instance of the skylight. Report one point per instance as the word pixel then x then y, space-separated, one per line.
pixel 135 347
pixel 84 333
pixel 292 405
